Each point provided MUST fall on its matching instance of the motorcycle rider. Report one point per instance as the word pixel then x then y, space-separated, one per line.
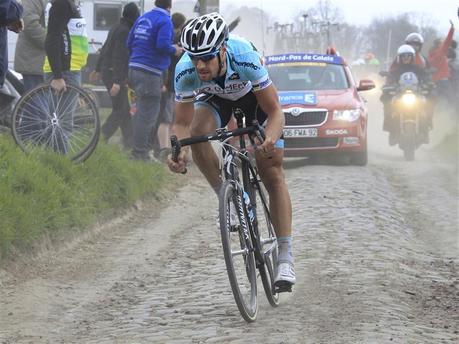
pixel 415 40
pixel 405 62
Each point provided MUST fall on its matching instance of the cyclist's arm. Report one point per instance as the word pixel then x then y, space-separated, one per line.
pixel 269 103
pixel 184 113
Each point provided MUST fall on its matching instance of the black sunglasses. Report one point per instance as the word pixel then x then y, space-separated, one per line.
pixel 204 58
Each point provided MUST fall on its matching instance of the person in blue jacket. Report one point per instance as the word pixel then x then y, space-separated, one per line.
pixel 150 44
pixel 10 19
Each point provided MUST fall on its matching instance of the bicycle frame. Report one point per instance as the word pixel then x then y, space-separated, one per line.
pixel 229 169
pixel 257 239
pixel 250 182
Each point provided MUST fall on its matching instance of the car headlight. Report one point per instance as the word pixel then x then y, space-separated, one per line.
pixel 409 99
pixel 346 115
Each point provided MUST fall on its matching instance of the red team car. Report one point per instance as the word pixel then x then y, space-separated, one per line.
pixel 324 112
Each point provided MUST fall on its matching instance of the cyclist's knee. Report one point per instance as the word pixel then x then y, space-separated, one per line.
pixel 273 178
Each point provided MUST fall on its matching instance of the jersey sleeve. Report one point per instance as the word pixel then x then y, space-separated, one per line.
pixel 185 80
pixel 250 65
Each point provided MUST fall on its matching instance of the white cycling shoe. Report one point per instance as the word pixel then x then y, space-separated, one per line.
pixel 285 278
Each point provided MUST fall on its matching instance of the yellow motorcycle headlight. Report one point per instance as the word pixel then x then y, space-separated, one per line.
pixel 409 99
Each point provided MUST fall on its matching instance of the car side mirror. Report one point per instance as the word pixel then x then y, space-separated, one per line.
pixel 365 85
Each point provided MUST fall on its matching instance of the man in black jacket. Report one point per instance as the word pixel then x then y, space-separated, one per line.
pixel 113 65
pixel 66 44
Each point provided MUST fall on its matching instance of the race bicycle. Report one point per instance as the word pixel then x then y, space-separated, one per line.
pixel 248 239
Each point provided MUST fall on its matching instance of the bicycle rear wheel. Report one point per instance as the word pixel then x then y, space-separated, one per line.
pixel 238 252
pixel 65 122
pixel 268 243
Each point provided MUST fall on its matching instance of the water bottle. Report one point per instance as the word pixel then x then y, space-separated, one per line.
pixel 249 207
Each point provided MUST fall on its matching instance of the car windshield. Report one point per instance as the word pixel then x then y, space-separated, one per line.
pixel 320 76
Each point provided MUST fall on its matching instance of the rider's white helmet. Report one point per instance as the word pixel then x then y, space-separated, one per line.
pixel 414 37
pixel 204 34
pixel 406 49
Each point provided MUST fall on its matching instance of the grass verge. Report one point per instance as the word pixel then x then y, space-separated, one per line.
pixel 46 194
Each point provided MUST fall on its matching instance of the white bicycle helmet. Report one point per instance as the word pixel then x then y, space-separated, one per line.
pixel 406 49
pixel 204 34
pixel 414 37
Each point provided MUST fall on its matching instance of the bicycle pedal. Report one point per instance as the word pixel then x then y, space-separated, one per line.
pixel 282 287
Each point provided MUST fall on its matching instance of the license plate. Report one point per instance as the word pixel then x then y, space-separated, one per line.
pixel 300 132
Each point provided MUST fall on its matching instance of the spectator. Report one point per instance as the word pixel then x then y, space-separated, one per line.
pixel 162 131
pixel 10 19
pixel 113 65
pixel 150 43
pixel 439 61
pixel 66 44
pixel 30 47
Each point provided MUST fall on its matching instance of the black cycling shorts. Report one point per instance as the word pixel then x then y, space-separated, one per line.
pixel 223 108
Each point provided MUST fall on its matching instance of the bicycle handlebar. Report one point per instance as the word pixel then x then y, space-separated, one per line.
pixel 220 135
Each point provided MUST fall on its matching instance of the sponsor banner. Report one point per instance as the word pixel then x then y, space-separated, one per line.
pixel 305 98
pixel 289 58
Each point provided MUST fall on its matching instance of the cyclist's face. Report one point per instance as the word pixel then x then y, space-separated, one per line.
pixel 207 69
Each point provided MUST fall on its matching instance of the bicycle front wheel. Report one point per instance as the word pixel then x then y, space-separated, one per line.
pixel 65 122
pixel 238 252
pixel 267 242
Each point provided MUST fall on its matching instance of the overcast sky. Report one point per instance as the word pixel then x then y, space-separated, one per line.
pixel 359 11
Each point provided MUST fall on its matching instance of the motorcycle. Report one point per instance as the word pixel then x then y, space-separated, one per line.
pixel 409 104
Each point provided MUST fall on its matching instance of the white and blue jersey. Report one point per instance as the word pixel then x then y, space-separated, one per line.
pixel 245 72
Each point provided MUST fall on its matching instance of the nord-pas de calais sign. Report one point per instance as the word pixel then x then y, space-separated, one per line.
pixel 290 58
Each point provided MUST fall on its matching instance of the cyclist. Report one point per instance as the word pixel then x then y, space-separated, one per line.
pixel 220 72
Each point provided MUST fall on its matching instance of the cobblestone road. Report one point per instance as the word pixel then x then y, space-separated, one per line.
pixel 376 258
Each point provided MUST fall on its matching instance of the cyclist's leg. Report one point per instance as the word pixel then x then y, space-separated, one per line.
pixel 271 172
pixel 272 176
pixel 206 119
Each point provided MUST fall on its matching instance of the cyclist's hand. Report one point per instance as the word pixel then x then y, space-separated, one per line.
pixel 180 165
pixel 115 90
pixel 59 85
pixel 267 148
